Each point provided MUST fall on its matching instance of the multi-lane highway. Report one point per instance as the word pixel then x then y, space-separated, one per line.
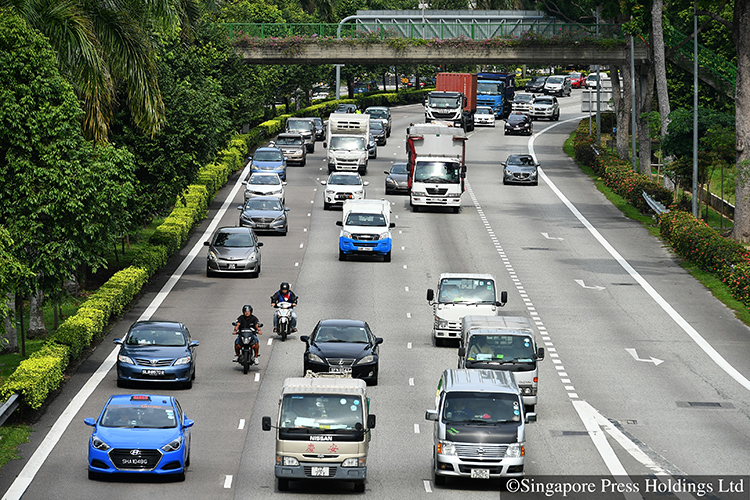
pixel 645 370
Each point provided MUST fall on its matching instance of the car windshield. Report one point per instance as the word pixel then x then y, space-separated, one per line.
pixel 481 408
pixel 234 240
pixel 543 100
pixel 484 111
pixel 444 102
pixel 155 336
pixel 299 125
pixel 366 220
pixel 264 179
pixel 575 75
pixel 139 417
pixel 466 290
pixel 438 172
pixel 289 141
pixel 268 156
pixel 538 79
pixel 314 411
pixel 258 204
pixel 349 334
pixel 347 143
pixel 554 79
pixel 523 98
pixel 399 168
pixel 520 160
pixel 514 119
pixel 377 113
pixel 346 180
pixel 500 349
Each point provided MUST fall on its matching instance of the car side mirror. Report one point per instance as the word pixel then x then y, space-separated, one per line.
pixel 260 243
pixel 188 423
pixel 265 423
pixel 430 294
pixel 371 421
pixel 89 421
pixel 206 243
pixel 386 172
pixel 244 183
pixel 286 209
pixel 503 299
pixel 250 158
pixel 392 225
pixel 323 182
pixel 325 145
pixel 194 343
pixel 305 338
pixel 461 352
pixel 430 415
pixel 117 341
pixel 240 207
pixel 367 183
pixel 540 353
pixel 283 183
pixel 378 340
pixel 340 223
pixel 530 417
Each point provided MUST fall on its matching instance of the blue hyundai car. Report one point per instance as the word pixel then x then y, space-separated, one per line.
pixel 140 434
pixel 269 159
pixel 156 351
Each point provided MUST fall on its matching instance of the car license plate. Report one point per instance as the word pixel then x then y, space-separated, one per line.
pixel 341 369
pixel 319 471
pixel 261 226
pixel 152 372
pixel 480 473
pixel 231 266
pixel 342 196
pixel 364 249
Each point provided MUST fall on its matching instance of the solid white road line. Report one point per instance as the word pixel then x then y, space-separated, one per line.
pixel 36 461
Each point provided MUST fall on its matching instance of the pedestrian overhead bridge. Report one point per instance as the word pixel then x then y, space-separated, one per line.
pixel 436 37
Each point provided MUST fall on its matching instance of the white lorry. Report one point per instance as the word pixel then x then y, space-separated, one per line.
pixel 347 137
pixel 503 343
pixel 436 165
pixel 365 228
pixel 459 294
pixel 323 430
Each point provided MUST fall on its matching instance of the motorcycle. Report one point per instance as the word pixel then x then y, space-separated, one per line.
pixel 247 353
pixel 284 319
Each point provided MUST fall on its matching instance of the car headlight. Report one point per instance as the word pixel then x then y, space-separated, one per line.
pixel 515 450
pixel 418 193
pixel 354 462
pixel 288 461
pixel 315 358
pixel 125 359
pixel 99 444
pixel 245 217
pixel 212 255
pixel 330 192
pixel 440 322
pixel 446 448
pixel 388 180
pixel 280 218
pixel 508 172
pixel 452 195
pixel 370 358
pixel 384 236
pixel 173 445
pixel 183 361
pixel 253 257
pixel 346 234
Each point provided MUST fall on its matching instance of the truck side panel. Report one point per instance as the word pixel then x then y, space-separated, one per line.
pixel 466 83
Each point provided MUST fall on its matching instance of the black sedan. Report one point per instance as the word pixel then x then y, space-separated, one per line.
pixel 536 84
pixel 156 351
pixel 378 132
pixel 343 346
pixel 519 123
pixel 398 179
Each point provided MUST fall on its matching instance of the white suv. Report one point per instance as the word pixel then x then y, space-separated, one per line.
pixel 560 85
pixel 545 106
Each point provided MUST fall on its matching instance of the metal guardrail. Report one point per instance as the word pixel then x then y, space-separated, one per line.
pixel 426 30
pixel 656 206
pixel 9 407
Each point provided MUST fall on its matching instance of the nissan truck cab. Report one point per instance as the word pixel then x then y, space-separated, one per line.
pixel 365 229
pixel 480 426
pixel 323 430
pixel 459 294
pixel 503 343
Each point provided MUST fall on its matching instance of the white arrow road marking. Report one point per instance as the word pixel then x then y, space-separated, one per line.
pixel 652 359
pixel 595 287
pixel 546 235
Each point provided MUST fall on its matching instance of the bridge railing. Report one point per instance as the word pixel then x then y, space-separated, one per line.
pixel 426 30
pixel 721 68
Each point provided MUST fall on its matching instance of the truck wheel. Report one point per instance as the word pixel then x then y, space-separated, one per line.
pixel 359 487
pixel 282 484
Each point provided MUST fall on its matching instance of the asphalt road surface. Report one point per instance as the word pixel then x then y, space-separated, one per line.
pixel 645 371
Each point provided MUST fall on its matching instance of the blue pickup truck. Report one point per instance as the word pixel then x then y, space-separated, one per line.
pixel 496 90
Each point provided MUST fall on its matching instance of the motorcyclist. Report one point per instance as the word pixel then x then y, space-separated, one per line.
pixel 246 321
pixel 284 294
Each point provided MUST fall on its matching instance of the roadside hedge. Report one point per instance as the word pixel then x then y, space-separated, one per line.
pixel 44 370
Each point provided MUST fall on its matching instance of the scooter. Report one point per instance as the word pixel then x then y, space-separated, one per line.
pixel 247 353
pixel 284 321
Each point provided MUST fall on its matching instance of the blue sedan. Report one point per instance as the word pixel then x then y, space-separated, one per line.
pixel 156 351
pixel 137 434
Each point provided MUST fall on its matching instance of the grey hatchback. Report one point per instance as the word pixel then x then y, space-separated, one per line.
pixel 520 169
pixel 233 250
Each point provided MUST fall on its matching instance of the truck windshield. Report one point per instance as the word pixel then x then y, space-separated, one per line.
pixel 463 290
pixel 490 88
pixel 500 349
pixel 439 172
pixel 444 102
pixel 351 143
pixel 315 411
pixel 376 220
pixel 481 408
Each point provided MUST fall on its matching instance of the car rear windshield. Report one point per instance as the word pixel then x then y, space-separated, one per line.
pixel 139 417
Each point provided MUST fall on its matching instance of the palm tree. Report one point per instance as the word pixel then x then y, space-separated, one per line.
pixel 101 45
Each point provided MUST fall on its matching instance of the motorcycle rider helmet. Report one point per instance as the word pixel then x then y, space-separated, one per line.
pixel 247 308
pixel 284 287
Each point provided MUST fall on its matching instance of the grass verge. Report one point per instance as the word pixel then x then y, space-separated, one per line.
pixel 11 436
